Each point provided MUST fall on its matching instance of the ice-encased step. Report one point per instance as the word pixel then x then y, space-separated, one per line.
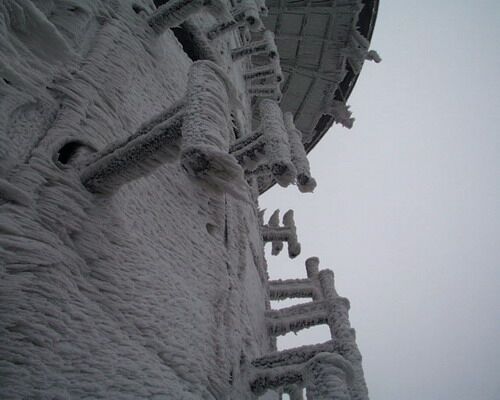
pixel 296 318
pixel 291 288
pixel 296 355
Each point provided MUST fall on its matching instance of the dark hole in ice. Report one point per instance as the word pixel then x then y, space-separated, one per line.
pixel 211 228
pixel 73 151
pixel 137 8
pixel 188 43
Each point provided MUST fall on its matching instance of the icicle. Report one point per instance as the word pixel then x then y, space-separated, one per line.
pixel 265 46
pixel 305 182
pixel 137 156
pixel 273 69
pixel 277 146
pixel 205 128
pixel 173 13
pixel 288 233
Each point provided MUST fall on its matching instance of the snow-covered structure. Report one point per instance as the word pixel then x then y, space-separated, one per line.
pixel 135 139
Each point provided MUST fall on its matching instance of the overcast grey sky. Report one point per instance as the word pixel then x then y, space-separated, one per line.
pixel 407 209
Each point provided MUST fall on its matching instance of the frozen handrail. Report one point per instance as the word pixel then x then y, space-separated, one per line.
pixel 305 182
pixel 287 233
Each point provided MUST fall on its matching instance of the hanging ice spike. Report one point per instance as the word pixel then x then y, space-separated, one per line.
pixel 204 131
pixel 287 233
pixel 265 46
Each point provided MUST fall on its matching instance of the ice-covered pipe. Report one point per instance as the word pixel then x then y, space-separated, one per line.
pixel 305 181
pixel 155 143
pixel 264 46
pixel 206 127
pixel 277 146
pixel 286 233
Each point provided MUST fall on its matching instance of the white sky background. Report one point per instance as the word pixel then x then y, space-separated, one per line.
pixel 407 209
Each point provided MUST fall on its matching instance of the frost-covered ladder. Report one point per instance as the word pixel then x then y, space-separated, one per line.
pixel 330 370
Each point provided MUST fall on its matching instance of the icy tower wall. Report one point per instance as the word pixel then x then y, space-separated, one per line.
pixel 153 289
pixel 131 244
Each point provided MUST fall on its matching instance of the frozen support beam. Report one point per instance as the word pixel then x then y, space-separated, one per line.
pixel 305 182
pixel 286 233
pixel 155 143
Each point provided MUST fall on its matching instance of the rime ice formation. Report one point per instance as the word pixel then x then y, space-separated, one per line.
pixel 272 232
pixel 135 139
